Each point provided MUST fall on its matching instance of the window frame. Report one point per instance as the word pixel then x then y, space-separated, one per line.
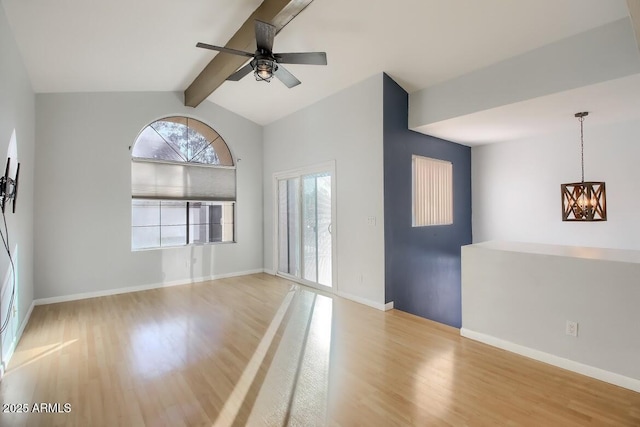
pixel 186 197
pixel 187 224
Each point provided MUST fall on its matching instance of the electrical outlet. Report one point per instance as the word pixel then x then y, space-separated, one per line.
pixel 572 328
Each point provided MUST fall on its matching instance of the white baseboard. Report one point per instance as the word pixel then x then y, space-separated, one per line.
pixel 361 300
pixel 552 359
pixel 107 292
pixel 23 325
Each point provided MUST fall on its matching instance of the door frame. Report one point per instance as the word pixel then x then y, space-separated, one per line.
pixel 330 167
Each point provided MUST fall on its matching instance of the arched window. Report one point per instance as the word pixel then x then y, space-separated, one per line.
pixel 183 185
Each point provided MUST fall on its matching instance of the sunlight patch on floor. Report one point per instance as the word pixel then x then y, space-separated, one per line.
pixel 35 354
pixel 234 402
pixel 295 389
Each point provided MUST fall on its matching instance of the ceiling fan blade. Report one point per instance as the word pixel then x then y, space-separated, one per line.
pixel 309 58
pixel 240 73
pixel 225 50
pixel 265 33
pixel 278 12
pixel 286 77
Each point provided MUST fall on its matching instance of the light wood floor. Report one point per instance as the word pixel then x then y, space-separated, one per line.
pixel 216 354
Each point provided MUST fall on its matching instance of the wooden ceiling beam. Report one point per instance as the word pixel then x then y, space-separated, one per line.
pixel 276 12
pixel 634 11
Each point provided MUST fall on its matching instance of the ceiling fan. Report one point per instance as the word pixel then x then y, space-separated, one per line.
pixel 265 64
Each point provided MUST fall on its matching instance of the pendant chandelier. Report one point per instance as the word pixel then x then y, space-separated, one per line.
pixel 583 201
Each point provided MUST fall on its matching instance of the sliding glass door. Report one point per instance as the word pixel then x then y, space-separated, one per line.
pixel 304 224
pixel 289 226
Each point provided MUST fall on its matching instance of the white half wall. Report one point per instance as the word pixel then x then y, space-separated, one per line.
pixel 345 127
pixel 17 122
pixel 83 195
pixel 516 186
pixel 519 296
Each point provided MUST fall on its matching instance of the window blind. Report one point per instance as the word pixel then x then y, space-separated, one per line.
pixel 432 191
pixel 170 181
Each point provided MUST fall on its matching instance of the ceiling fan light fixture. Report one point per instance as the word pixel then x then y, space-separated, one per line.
pixel 264 63
pixel 264 69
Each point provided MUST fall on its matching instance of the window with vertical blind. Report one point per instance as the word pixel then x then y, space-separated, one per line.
pixel 183 185
pixel 432 188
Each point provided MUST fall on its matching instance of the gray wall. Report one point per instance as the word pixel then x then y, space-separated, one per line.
pixel 513 199
pixel 17 114
pixel 83 194
pixel 422 264
pixel 345 127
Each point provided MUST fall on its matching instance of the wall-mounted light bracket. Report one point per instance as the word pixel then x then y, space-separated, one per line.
pixel 9 187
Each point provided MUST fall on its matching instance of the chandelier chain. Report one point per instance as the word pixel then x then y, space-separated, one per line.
pixel 582 145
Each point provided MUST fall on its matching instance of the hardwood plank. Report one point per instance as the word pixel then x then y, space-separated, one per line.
pixel 174 357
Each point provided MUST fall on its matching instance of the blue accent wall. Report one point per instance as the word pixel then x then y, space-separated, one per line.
pixel 422 264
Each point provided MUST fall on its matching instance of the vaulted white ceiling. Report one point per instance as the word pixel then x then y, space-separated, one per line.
pixel 149 45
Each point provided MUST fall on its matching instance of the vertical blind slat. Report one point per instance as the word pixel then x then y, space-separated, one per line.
pixel 432 191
